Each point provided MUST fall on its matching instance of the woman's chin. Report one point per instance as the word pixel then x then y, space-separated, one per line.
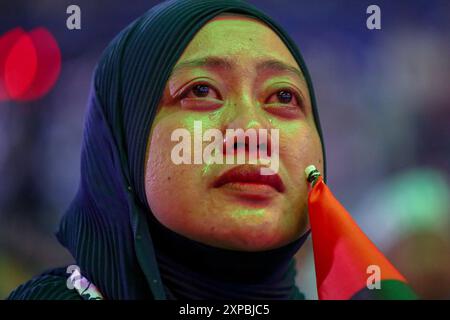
pixel 251 232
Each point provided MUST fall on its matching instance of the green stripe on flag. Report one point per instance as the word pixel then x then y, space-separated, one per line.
pixel 388 290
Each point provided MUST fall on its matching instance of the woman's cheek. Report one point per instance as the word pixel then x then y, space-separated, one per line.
pixel 298 150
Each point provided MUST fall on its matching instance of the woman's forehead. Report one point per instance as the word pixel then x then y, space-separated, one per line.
pixel 237 36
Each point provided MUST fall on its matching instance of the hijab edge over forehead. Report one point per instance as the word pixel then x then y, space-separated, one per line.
pixel 105 228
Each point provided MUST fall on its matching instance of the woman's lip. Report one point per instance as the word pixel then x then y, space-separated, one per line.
pixel 250 191
pixel 248 178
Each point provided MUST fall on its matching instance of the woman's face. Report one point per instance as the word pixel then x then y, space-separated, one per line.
pixel 236 73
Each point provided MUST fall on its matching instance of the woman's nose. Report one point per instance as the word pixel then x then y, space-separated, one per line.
pixel 247 132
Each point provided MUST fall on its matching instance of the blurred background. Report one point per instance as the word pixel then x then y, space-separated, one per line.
pixel 383 97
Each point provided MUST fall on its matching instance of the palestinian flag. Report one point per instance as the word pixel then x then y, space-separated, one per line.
pixel 348 265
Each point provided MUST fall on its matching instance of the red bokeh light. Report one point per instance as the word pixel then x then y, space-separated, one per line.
pixel 30 64
pixel 7 41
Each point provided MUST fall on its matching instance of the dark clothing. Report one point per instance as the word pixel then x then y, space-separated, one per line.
pixel 51 285
pixel 109 228
pixel 192 270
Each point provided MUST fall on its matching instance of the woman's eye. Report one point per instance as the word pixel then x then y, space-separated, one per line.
pixel 284 97
pixel 201 91
pixel 201 97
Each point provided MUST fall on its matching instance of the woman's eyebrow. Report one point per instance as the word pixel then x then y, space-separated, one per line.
pixel 214 62
pixel 207 62
pixel 280 66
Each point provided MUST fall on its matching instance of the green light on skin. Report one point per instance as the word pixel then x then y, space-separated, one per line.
pixel 207 167
pixel 247 213
pixel 252 124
